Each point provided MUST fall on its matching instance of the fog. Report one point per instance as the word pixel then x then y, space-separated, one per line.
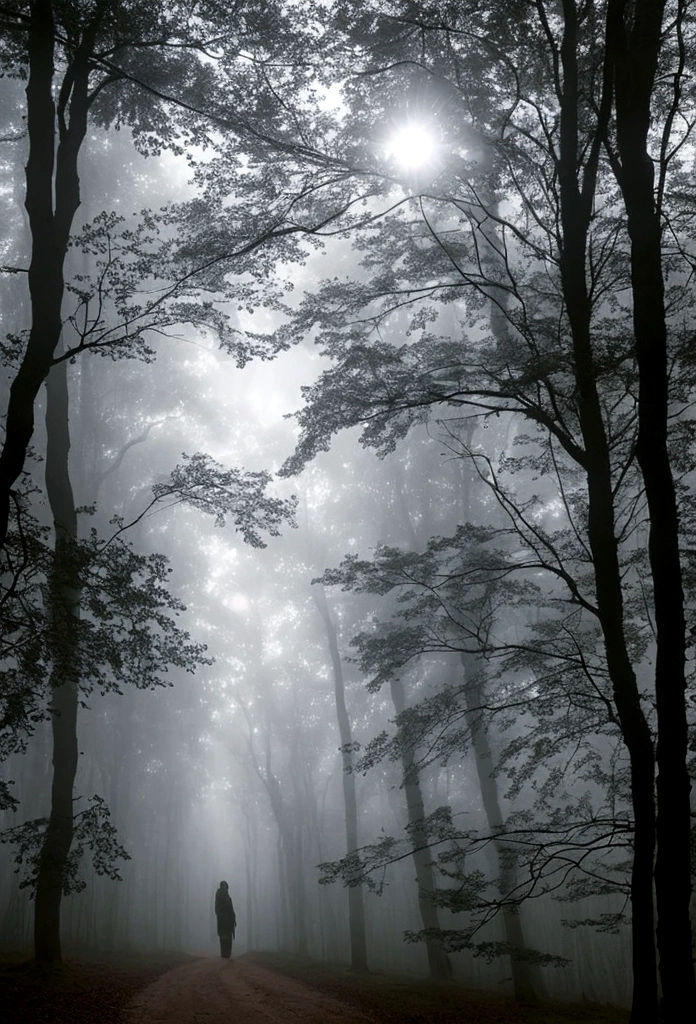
pixel 332 563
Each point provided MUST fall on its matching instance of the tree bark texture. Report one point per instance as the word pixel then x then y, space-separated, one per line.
pixel 356 902
pixel 635 48
pixel 576 208
pixel 65 610
pixel 50 221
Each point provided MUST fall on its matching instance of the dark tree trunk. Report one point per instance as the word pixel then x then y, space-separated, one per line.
pixel 525 980
pixel 64 610
pixel 439 964
pixel 356 903
pixel 527 983
pixel 438 961
pixel 48 168
pixel 635 52
pixel 576 209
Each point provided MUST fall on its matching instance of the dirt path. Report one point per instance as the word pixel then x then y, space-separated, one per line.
pixel 216 991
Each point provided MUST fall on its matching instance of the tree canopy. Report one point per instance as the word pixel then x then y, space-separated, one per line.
pixel 502 315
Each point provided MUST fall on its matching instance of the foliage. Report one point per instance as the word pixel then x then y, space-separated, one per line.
pixel 498 285
pixel 571 854
pixel 128 632
pixel 93 832
pixel 24 565
pixel 459 941
pixel 228 493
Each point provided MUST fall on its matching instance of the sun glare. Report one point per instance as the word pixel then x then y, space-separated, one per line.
pixel 238 603
pixel 411 147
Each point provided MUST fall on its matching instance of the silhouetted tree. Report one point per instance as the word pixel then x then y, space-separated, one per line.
pixel 544 131
pixel 356 906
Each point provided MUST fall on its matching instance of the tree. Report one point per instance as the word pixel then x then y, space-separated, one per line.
pixel 154 70
pixel 547 127
pixel 636 54
pixel 125 634
pixel 290 818
pixel 438 961
pixel 80 53
pixel 64 609
pixel 356 906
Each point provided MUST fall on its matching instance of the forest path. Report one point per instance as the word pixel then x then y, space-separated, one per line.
pixel 217 991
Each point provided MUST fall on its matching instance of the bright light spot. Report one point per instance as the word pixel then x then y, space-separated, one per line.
pixel 553 508
pixel 412 147
pixel 238 603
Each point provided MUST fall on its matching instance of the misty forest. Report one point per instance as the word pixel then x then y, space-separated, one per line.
pixel 347 523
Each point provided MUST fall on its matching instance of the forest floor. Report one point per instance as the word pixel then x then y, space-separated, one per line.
pixel 260 988
pixel 79 991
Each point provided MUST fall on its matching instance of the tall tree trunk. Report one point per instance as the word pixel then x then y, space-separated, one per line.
pixel 51 171
pixel 635 47
pixel 249 898
pixel 52 198
pixel 438 961
pixel 526 982
pixel 298 889
pixel 576 210
pixel 577 176
pixel 356 903
pixel 250 846
pixel 64 610
pixel 297 828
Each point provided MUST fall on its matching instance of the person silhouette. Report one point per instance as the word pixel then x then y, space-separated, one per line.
pixel 226 919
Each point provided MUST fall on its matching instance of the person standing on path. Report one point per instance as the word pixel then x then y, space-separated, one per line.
pixel 226 919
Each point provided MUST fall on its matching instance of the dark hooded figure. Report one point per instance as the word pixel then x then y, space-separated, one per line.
pixel 226 919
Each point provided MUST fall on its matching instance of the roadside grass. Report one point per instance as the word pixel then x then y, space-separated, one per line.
pixel 401 999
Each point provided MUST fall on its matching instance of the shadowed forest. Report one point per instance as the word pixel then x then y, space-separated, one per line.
pixel 347 525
